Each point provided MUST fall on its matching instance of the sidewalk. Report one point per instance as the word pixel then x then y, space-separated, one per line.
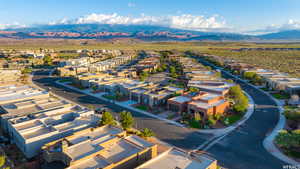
pixel 268 142
pixel 122 104
pixel 216 132
pixel 222 131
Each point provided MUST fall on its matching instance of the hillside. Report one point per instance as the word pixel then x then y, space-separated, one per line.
pixel 140 32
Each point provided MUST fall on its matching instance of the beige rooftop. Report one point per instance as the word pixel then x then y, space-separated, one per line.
pixel 177 159
pixel 103 147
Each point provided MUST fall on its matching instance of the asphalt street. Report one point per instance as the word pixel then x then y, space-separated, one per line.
pixel 243 148
pixel 240 149
pixel 184 138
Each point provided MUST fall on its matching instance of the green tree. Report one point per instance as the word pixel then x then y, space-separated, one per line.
pixel 208 68
pixel 193 89
pixel 2 160
pixel 147 133
pixel 240 100
pixel 218 74
pixel 47 60
pixel 159 69
pixel 144 75
pixel 94 88
pixel 211 120
pixel 126 120
pixel 253 77
pixel 257 79
pixel 249 75
pixel 197 116
pixel 235 91
pixel 107 119
pixel 91 107
pixel 26 70
pixel 164 67
pixel 229 81
pixel 172 70
pixel 292 115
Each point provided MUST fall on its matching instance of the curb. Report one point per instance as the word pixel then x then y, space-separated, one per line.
pixel 216 132
pixel 225 130
pixel 122 105
pixel 268 142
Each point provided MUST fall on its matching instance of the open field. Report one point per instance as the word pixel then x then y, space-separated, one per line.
pixel 284 61
pixel 64 44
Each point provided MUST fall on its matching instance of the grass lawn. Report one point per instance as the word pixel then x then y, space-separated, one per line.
pixel 142 107
pixel 291 107
pixel 110 97
pixel 233 118
pixel 265 89
pixel 171 116
pixel 77 86
pixel 64 80
pixel 179 85
pixel 280 96
pixel 195 124
pixel 292 153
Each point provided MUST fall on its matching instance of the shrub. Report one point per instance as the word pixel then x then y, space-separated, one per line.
pixel 147 133
pixel 292 115
pixel 195 123
pixel 287 139
pixel 193 89
pixel 211 120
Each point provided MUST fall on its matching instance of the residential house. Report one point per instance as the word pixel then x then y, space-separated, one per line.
pixel 175 158
pixel 104 147
pixel 199 102
pixel 34 122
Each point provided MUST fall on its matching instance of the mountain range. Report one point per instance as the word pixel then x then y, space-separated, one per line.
pixel 142 32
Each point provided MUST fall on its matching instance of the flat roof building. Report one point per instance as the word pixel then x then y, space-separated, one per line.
pixel 104 147
pixel 178 159
pixel 33 122
pixel 12 93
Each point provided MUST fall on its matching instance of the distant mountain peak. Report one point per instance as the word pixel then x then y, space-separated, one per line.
pixel 142 32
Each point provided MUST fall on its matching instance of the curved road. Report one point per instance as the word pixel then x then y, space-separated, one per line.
pixel 247 141
pixel 188 139
pixel 240 149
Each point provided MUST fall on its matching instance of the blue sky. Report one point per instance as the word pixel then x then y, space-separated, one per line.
pixel 233 14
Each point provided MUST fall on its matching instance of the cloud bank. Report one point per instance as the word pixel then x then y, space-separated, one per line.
pixel 289 25
pixel 13 25
pixel 184 21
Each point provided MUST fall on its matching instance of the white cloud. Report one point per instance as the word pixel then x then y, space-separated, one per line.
pixel 289 25
pixel 62 21
pixel 13 25
pixel 131 4
pixel 183 21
